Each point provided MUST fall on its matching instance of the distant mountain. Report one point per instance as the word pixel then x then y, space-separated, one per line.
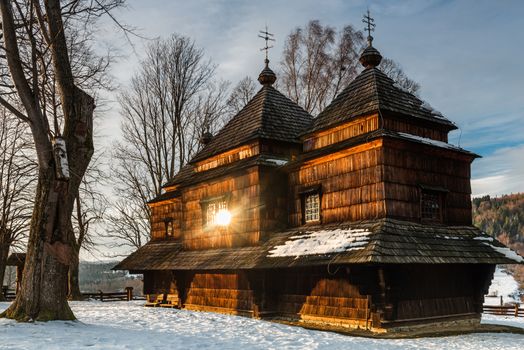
pixel 95 276
pixel 503 218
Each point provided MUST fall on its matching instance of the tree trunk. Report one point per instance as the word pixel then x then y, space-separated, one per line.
pixel 74 282
pixel 4 251
pixel 43 294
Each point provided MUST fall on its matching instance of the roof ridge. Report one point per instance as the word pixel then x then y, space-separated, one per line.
pixel 268 115
pixel 370 91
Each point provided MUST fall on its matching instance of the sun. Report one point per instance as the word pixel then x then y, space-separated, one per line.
pixel 223 217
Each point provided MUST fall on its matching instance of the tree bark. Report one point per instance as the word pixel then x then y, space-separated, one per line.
pixel 74 282
pixel 74 286
pixel 4 252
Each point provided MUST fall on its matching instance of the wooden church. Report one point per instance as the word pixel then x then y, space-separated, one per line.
pixel 360 217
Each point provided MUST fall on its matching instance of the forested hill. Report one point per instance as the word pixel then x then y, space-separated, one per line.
pixel 501 217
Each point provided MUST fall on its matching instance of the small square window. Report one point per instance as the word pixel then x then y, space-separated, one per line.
pixel 312 207
pixel 213 212
pixel 169 227
pixel 431 206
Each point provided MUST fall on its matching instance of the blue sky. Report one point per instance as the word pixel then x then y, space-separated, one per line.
pixel 465 54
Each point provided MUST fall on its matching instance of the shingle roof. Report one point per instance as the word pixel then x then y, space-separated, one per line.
pixel 269 115
pixel 165 196
pixel 372 90
pixel 389 242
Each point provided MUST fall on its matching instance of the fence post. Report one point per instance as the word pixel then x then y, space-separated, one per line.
pixel 129 291
pixel 501 301
pixel 101 295
pixel 517 309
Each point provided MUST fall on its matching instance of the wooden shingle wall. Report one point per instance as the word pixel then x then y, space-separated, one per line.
pixel 220 292
pixel 342 132
pixel 319 296
pixel 229 157
pixel 425 291
pixel 273 196
pixel 407 166
pixel 242 191
pixel 169 211
pixel 413 128
pixel 351 185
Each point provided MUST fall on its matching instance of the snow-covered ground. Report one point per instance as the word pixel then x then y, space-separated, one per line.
pixel 123 325
pixel 503 285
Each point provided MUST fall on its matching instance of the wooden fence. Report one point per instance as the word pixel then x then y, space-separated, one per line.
pixel 510 310
pixel 126 295
pixel 8 294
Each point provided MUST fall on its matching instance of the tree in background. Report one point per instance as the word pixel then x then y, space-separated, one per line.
pixel 241 94
pixel 89 210
pixel 319 61
pixel 393 70
pixel 41 78
pixel 17 177
pixel 172 100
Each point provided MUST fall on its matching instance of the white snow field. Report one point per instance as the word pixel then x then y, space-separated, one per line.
pixel 129 325
pixel 503 285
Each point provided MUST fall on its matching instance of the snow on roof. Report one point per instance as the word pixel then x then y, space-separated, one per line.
pixel 508 253
pixel 276 161
pixel 322 242
pixel 427 141
pixel 433 111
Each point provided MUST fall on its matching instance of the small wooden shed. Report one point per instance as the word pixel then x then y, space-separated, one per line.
pixel 18 260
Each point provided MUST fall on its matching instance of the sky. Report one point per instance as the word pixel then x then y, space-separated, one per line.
pixel 466 55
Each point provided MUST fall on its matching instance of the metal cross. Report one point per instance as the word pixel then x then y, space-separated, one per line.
pixel 267 37
pixel 370 21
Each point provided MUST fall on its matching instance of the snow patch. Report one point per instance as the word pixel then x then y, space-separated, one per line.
pixel 425 105
pixel 129 325
pixel 400 87
pixel 322 242
pixel 508 253
pixel 276 161
pixel 427 141
pixel 448 237
pixel 483 238
pixel 503 285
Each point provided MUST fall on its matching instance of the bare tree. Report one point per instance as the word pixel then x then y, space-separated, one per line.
pixel 36 54
pixel 241 94
pixel 17 175
pixel 319 61
pixel 90 206
pixel 171 101
pixel 393 70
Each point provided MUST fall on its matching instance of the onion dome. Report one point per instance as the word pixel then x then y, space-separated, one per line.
pixel 370 57
pixel 267 77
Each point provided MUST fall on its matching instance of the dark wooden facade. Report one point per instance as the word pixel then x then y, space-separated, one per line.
pixel 380 164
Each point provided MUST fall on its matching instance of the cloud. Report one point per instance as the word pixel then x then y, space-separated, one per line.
pixel 499 173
